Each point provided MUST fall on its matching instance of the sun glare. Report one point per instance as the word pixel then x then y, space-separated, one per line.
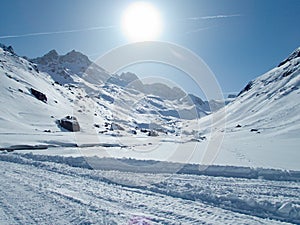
pixel 141 21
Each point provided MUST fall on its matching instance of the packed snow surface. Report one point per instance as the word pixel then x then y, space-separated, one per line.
pixel 37 189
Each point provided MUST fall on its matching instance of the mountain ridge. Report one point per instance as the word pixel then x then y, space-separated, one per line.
pixel 73 66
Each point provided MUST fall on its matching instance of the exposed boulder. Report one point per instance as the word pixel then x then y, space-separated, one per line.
pixel 39 95
pixel 70 123
pixel 255 130
pixel 115 126
pixel 133 132
pixel 152 133
pixel 143 130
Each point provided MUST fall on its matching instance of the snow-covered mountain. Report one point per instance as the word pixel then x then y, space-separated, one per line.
pixel 69 68
pixel 261 126
pixel 269 103
pixel 74 86
pixel 263 118
pixel 131 80
pixel 74 66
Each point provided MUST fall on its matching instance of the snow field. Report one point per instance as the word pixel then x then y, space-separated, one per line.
pixel 45 189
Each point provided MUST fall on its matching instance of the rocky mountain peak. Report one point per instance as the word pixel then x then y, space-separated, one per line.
pixel 295 54
pixel 74 56
pixel 51 54
pixel 7 48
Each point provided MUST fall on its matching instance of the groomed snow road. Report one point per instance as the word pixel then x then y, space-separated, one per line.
pixel 35 191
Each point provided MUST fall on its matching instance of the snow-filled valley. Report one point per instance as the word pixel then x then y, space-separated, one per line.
pixel 144 153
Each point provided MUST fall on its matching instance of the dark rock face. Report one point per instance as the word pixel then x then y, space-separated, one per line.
pixel 39 95
pixel 231 96
pixel 7 48
pixel 70 123
pixel 294 55
pixel 247 88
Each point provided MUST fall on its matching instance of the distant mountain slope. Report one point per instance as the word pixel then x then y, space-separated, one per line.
pixel 272 101
pixel 74 67
pixel 262 125
pixel 73 85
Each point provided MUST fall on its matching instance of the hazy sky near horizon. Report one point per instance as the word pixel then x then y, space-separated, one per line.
pixel 238 40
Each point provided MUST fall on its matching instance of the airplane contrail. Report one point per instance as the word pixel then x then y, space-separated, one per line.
pixel 213 17
pixel 57 32
pixel 199 29
pixel 196 19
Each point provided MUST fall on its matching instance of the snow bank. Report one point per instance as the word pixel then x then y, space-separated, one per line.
pixel 152 166
pixel 273 199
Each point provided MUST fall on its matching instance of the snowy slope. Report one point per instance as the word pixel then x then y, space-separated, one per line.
pixel 115 114
pixel 262 125
pixel 27 120
pixel 73 85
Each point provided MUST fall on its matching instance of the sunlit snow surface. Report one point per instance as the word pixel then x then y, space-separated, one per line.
pixel 55 184
pixel 271 107
pixel 41 189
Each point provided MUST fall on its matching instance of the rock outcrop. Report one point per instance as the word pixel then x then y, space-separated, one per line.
pixel 39 95
pixel 69 123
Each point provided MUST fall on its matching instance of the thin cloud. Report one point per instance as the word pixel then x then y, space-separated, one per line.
pixel 213 17
pixel 57 32
pixel 199 30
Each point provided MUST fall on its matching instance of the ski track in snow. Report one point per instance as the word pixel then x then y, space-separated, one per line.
pixel 45 192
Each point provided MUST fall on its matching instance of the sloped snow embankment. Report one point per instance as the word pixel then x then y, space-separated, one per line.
pixel 39 188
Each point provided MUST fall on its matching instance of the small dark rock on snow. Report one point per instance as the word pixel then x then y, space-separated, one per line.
pixel 115 126
pixel 39 95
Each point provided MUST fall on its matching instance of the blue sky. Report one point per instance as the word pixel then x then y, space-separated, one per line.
pixel 239 40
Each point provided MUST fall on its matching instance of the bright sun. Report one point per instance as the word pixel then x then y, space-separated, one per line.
pixel 141 21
